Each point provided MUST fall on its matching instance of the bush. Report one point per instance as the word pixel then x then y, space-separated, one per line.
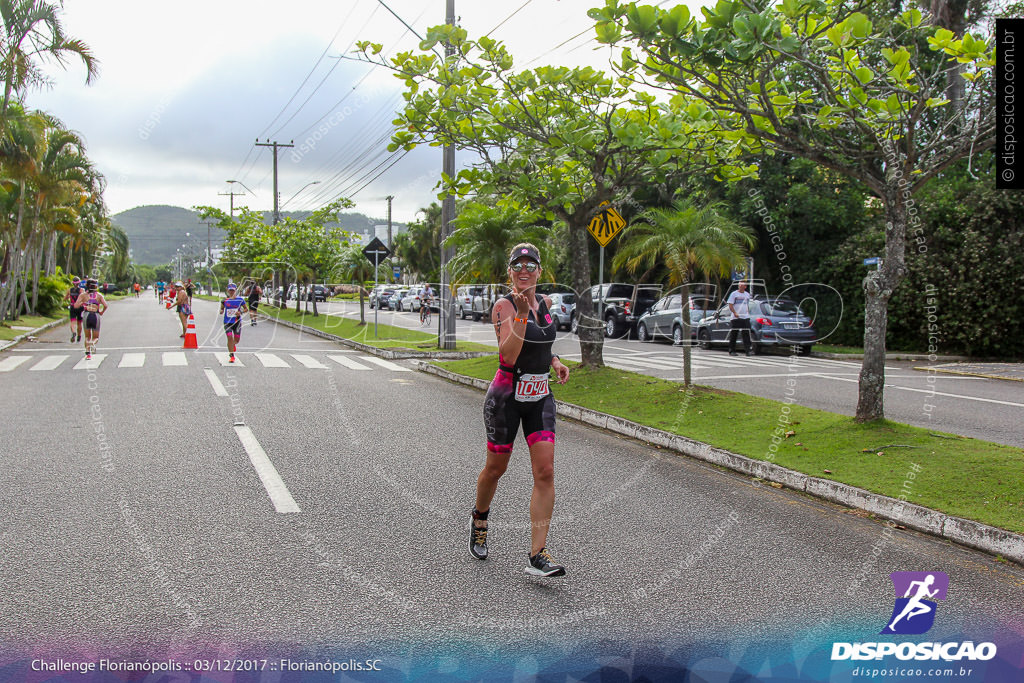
pixel 51 294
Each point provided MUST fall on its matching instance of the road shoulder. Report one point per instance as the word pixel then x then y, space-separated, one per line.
pixel 966 532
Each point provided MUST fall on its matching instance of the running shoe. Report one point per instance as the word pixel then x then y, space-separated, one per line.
pixel 79 337
pixel 232 358
pixel 542 564
pixel 477 541
pixel 72 337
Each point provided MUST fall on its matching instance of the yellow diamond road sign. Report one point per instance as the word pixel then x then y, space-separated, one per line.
pixel 606 225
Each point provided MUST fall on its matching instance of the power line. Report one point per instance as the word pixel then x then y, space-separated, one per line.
pixel 324 79
pixel 502 22
pixel 306 79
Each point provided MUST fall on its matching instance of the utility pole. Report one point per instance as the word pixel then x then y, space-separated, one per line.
pixel 231 194
pixel 277 197
pixel 446 315
pixel 389 198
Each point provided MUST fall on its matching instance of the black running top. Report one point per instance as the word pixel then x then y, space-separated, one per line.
pixel 535 356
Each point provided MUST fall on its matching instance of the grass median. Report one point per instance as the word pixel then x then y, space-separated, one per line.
pixel 388 336
pixel 8 329
pixel 957 475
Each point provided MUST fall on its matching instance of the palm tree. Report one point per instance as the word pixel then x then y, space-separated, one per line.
pixel 353 265
pixel 32 30
pixel 483 236
pixel 687 240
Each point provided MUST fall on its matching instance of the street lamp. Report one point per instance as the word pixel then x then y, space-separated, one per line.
pixel 315 182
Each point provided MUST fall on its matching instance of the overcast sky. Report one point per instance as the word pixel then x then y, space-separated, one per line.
pixel 185 89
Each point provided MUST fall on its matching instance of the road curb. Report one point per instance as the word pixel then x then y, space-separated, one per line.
pixel 963 373
pixel 891 356
pixel 4 345
pixel 966 532
pixel 388 354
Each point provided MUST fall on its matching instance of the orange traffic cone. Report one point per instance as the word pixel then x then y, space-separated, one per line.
pixel 170 302
pixel 190 334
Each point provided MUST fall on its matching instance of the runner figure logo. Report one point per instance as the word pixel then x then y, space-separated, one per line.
pixel 914 613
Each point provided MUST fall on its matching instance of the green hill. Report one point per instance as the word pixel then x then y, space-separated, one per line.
pixel 157 232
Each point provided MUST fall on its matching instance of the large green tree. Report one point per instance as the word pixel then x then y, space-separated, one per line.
pixel 559 140
pixel 688 240
pixel 860 89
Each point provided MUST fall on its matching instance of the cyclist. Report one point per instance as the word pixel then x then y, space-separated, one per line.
pixel 94 306
pixel 425 296
pixel 75 310
pixel 232 308
pixel 519 394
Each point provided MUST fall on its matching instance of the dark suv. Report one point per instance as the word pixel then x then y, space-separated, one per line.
pixel 622 305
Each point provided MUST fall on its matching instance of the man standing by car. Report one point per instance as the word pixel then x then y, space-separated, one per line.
pixel 739 307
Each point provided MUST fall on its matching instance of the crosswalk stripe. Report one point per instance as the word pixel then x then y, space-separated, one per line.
pixel 93 364
pixel 8 364
pixel 132 360
pixel 386 364
pixel 309 361
pixel 348 363
pixel 651 365
pixel 175 358
pixel 218 387
pixel 49 363
pixel 270 360
pixel 225 359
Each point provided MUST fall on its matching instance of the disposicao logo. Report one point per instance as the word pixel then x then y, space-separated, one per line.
pixel 914 614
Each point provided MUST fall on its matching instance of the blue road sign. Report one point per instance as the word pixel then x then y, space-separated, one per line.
pixel 873 261
pixel 398 272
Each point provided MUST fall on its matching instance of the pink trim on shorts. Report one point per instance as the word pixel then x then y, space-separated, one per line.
pixel 540 436
pixel 499 448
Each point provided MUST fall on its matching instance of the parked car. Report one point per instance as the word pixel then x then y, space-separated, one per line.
pixel 623 304
pixel 773 322
pixel 465 298
pixel 665 318
pixel 318 292
pixel 412 299
pixel 379 296
pixel 394 302
pixel 562 306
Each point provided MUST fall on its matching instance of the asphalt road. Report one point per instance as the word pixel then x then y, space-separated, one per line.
pixel 136 520
pixel 977 407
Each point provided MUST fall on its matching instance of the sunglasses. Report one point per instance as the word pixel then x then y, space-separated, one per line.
pixel 530 267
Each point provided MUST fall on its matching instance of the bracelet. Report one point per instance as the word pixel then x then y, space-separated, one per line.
pixel 519 320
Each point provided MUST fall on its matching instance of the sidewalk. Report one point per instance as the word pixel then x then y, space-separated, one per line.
pixel 1013 372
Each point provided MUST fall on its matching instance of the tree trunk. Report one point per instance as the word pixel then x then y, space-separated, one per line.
pixel 879 286
pixel 362 314
pixel 36 272
pixel 50 267
pixel 312 291
pixel 591 331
